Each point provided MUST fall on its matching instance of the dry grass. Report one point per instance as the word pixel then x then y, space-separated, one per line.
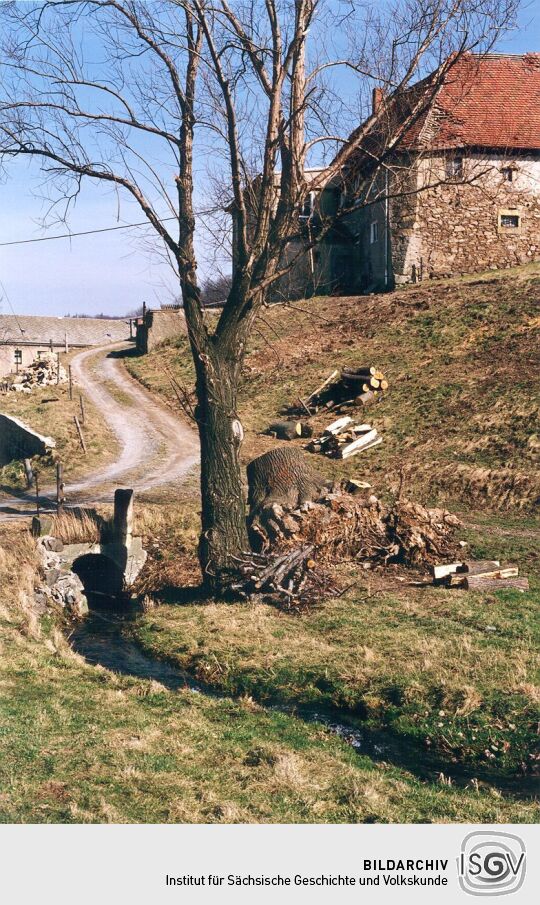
pixel 461 356
pixel 50 411
pixel 77 526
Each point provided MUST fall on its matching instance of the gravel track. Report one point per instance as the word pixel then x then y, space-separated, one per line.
pixel 155 447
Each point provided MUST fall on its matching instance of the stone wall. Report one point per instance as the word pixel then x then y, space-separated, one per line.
pixel 18 441
pixel 455 228
pixel 157 327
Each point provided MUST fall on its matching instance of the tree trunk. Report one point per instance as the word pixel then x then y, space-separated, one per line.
pixel 223 517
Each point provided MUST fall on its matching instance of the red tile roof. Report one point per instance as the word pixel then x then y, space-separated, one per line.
pixel 491 101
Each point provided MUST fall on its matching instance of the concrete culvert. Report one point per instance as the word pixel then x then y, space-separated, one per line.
pixel 99 574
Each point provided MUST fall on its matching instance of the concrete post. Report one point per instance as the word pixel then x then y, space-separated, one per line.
pixel 123 515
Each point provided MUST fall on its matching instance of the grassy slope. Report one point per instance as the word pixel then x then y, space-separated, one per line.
pixel 462 360
pixel 82 745
pixel 393 658
pixel 55 419
pixel 449 677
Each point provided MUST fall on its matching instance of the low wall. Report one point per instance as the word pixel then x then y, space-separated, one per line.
pixel 158 327
pixel 18 441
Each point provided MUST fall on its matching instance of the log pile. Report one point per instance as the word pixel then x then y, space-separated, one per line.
pixel 479 575
pixel 343 439
pixel 44 371
pixel 342 389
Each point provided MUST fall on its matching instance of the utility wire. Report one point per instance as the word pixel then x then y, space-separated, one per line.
pixel 88 232
pixel 6 296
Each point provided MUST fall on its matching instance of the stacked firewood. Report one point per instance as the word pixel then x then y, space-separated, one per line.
pixel 479 575
pixel 343 439
pixel 349 387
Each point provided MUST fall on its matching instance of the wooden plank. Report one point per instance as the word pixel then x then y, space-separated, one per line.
pixel 478 566
pixel 328 380
pixel 481 583
pixel 337 426
pixel 362 443
pixel 441 571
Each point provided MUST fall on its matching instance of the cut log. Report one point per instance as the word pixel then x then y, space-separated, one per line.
pixel 369 439
pixel 379 375
pixel 337 426
pixel 455 580
pixel 285 430
pixel 479 566
pixel 366 398
pixel 445 569
pixel 362 428
pixel 384 384
pixel 356 373
pixel 481 583
pixel 374 383
pixel 333 376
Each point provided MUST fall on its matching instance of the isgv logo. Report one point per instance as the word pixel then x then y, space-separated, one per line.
pixel 491 864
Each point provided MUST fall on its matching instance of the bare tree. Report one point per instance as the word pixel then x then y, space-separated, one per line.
pixel 137 95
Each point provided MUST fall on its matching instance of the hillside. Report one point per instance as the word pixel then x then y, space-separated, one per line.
pixel 462 357
pixel 444 684
pixel 437 689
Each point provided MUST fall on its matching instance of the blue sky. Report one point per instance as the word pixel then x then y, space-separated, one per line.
pixel 112 272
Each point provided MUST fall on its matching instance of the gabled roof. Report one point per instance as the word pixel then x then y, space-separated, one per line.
pixel 80 331
pixel 490 101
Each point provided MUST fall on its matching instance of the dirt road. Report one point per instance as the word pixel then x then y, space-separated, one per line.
pixel 156 447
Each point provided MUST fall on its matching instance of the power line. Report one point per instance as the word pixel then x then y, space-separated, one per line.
pixel 88 232
pixel 11 306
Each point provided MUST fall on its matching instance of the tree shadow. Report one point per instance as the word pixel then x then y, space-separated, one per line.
pixel 131 352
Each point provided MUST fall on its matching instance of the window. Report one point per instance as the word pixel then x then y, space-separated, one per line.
pixel 454 167
pixel 509 221
pixel 308 206
pixel 508 174
pixel 374 232
pixel 18 357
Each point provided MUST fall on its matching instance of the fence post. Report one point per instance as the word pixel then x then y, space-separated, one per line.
pixel 82 408
pixel 70 383
pixel 29 473
pixel 60 497
pixel 36 482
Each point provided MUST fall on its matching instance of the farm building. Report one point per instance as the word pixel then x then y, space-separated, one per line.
pixel 459 191
pixel 23 338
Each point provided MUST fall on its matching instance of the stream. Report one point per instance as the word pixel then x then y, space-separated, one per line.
pixel 103 637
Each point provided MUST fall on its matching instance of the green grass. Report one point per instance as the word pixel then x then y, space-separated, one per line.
pixel 432 679
pixel 450 677
pixel 82 745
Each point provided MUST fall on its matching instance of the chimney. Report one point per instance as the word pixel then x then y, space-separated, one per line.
pixel 378 97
